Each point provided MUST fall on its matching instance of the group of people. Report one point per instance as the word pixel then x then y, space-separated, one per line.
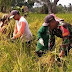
pixel 46 34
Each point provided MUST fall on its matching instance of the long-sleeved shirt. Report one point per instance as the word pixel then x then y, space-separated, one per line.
pixel 63 31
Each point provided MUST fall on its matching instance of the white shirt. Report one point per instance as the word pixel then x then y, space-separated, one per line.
pixel 27 33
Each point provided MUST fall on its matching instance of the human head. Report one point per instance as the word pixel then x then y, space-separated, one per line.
pixel 5 18
pixel 50 21
pixel 15 14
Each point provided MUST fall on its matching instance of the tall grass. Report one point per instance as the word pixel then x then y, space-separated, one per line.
pixel 14 59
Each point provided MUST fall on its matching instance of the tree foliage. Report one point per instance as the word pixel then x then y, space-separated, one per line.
pixel 50 4
pixel 5 5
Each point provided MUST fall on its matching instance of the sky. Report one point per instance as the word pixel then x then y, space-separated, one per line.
pixel 65 2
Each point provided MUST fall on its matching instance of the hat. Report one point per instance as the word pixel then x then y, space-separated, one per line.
pixel 5 17
pixel 48 19
pixel 56 18
pixel 13 13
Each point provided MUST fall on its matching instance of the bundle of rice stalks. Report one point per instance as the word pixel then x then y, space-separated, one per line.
pixel 49 59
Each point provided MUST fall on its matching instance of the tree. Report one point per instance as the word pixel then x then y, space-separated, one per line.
pixel 20 3
pixel 70 7
pixel 17 2
pixel 65 8
pixel 30 3
pixel 50 4
pixel 5 5
pixel 54 6
pixel 60 9
pixel 44 9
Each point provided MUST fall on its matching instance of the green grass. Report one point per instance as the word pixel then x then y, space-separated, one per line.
pixel 14 59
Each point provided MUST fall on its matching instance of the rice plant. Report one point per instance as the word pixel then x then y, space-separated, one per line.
pixel 14 59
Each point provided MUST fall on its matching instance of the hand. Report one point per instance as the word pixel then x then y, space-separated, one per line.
pixel 61 54
pixel 14 34
pixel 12 38
pixel 41 41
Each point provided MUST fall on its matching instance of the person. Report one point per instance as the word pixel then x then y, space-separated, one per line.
pixel 46 36
pixel 21 28
pixel 3 22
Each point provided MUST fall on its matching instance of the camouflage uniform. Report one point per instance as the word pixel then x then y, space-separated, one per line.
pixel 49 38
pixel 47 35
pixel 66 40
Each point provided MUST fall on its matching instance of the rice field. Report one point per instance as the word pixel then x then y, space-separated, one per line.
pixel 14 59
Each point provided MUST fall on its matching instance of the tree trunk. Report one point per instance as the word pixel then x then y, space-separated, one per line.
pixel 3 9
pixel 49 7
pixel 54 6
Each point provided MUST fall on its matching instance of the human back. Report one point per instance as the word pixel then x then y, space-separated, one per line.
pixel 27 33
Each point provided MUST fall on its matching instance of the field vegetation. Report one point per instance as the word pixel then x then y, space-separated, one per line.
pixel 14 59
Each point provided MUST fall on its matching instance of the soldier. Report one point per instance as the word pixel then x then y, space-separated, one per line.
pixel 47 32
